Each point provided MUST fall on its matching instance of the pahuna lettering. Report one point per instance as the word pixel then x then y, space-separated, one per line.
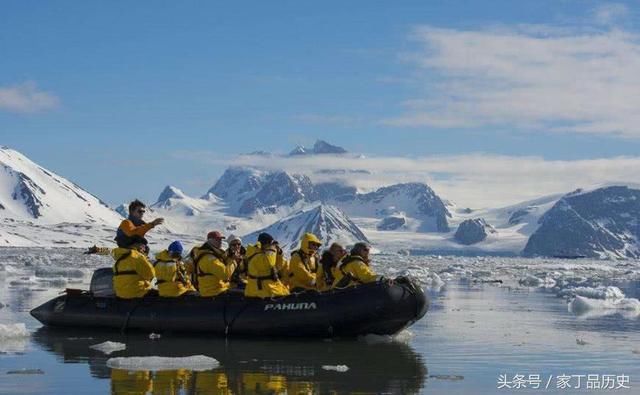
pixel 290 306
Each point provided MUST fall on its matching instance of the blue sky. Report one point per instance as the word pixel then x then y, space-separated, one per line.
pixel 106 93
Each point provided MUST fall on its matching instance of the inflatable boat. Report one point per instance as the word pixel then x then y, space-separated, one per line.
pixel 380 308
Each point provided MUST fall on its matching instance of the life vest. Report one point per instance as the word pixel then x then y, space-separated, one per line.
pixel 117 272
pixel 305 259
pixel 122 239
pixel 348 278
pixel 273 275
pixel 208 251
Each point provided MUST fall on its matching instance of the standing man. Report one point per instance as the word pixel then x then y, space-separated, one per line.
pixel 135 225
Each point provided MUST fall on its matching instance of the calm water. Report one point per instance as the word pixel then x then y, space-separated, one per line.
pixel 471 335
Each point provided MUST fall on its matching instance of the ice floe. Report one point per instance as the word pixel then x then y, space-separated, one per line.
pixel 13 331
pixel 600 292
pixel 109 347
pixel 195 362
pixel 628 307
pixel 533 281
pixel 404 336
pixel 337 368
pixel 13 338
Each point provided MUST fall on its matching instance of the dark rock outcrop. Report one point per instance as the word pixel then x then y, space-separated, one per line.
pixel 473 231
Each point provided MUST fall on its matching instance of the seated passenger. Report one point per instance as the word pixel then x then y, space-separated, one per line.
pixel 134 225
pixel 172 276
pixel 328 265
pixel 262 276
pixel 354 268
pixel 213 268
pixel 303 265
pixel 239 277
pixel 132 271
pixel 282 264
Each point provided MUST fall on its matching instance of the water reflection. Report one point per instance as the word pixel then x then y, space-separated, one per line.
pixel 247 366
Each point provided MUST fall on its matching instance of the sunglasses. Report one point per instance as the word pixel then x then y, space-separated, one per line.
pixel 141 211
pixel 234 244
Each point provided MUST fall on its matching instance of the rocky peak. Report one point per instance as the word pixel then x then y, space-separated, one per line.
pixel 473 231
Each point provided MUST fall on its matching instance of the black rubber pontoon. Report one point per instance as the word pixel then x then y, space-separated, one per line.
pixel 376 308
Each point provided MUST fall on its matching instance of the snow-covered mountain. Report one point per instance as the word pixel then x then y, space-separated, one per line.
pixel 320 147
pixel 249 190
pixel 422 209
pixel 29 192
pixel 600 223
pixel 327 222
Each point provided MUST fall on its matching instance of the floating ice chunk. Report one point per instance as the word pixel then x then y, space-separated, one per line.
pixel 581 342
pixel 109 347
pixel 448 377
pixel 533 281
pixel 337 368
pixel 155 336
pixel 13 331
pixel 26 371
pixel 13 337
pixel 53 282
pixel 434 282
pixel 581 305
pixel 59 272
pixel 594 292
pixel 23 281
pixel 401 337
pixel 195 362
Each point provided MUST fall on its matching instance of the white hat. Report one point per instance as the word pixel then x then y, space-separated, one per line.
pixel 233 238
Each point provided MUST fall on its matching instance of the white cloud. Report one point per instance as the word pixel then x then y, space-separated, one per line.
pixel 528 77
pixel 475 180
pixel 26 98
pixel 608 14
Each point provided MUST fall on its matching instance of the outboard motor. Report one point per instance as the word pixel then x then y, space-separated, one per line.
pixel 102 282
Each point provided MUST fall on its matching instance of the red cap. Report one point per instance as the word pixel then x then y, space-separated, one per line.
pixel 215 235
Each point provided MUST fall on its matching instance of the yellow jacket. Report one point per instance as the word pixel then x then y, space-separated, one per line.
pixel 208 382
pixel 213 269
pixel 263 383
pixel 353 270
pixel 262 277
pixel 172 275
pixel 303 265
pixel 131 382
pixel 132 273
pixel 171 382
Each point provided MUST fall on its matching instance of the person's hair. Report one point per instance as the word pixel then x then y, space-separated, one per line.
pixel 359 247
pixel 136 204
